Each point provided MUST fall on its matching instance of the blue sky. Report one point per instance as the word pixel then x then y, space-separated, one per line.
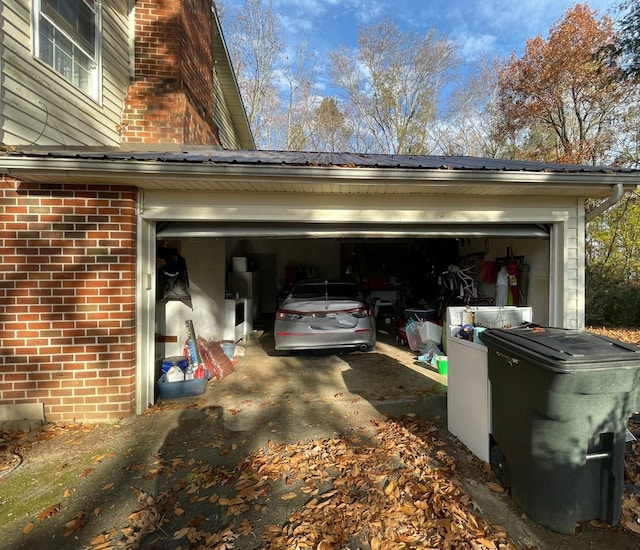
pixel 490 26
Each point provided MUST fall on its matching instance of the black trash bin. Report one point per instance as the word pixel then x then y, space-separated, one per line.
pixel 560 403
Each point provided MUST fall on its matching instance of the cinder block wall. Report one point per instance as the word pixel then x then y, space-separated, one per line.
pixel 67 299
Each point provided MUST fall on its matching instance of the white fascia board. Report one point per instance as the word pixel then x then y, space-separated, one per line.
pixel 131 171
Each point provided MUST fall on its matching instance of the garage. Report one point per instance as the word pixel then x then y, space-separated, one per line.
pixel 394 223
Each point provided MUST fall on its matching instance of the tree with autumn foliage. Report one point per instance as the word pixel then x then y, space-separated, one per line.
pixel 561 101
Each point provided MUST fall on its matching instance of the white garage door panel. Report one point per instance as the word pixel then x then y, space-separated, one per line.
pixel 265 207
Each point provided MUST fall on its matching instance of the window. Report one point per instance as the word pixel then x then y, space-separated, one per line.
pixel 67 39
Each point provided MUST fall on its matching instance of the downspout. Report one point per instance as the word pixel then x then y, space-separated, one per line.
pixel 616 195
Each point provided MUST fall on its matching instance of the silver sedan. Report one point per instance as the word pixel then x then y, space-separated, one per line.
pixel 323 314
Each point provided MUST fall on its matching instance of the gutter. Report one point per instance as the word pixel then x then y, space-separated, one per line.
pixel 616 194
pixel 143 169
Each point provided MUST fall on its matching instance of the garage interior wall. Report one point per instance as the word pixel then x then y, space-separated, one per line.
pixel 321 255
pixel 536 255
pixel 206 268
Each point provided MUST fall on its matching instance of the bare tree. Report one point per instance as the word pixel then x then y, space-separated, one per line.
pixel 299 71
pixel 392 84
pixel 468 126
pixel 256 48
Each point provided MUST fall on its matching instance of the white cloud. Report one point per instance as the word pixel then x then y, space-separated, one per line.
pixel 495 27
pixel 474 45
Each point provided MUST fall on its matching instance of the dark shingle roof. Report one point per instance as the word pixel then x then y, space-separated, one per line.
pixel 204 155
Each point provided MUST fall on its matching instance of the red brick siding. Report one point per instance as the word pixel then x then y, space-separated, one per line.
pixel 197 72
pixel 171 97
pixel 67 299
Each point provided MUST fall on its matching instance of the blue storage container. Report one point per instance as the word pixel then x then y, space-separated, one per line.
pixel 182 388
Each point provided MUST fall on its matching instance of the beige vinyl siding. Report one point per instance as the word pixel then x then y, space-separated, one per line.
pixel 41 108
pixel 577 243
pixel 222 118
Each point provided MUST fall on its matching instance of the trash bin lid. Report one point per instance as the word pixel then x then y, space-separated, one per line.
pixel 563 350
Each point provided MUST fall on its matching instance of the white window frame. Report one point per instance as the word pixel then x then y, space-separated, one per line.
pixel 92 86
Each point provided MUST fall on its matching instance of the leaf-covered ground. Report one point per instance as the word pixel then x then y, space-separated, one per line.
pixel 393 488
pixel 392 485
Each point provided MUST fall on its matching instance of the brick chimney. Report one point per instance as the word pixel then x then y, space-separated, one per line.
pixel 170 98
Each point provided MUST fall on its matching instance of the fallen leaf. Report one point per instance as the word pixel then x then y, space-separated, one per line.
pixel 28 527
pixel 67 493
pixel 495 487
pixel 181 533
pixel 86 473
pixel 51 511
pixel 391 486
pixel 229 501
pixel 487 543
pixel 246 528
pixel 108 486
pixel 74 525
pixel 288 496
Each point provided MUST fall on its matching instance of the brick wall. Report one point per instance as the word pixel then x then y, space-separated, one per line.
pixel 67 299
pixel 170 100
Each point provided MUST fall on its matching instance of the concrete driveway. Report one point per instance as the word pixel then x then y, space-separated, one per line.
pixel 112 474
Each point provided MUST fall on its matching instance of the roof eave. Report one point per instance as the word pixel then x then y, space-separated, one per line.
pixel 170 175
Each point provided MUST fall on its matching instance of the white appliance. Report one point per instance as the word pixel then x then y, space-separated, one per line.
pixel 238 321
pixel 469 389
pixel 246 284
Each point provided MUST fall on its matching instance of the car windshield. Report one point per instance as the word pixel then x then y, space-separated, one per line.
pixel 325 290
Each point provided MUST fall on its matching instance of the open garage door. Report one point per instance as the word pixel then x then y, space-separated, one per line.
pixel 328 235
pixel 172 230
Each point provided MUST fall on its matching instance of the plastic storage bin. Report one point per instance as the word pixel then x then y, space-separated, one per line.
pixel 183 388
pixel 430 331
pixel 560 402
pixel 229 348
pixel 420 314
